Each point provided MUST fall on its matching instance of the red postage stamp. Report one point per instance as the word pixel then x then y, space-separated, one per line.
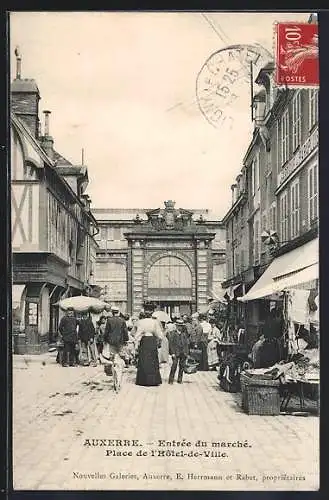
pixel 297 54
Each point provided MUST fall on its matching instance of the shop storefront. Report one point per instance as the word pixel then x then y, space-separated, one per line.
pixel 36 315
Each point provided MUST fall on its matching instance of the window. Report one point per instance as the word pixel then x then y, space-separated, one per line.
pixel 255 180
pixel 229 266
pixel 268 189
pixel 277 139
pixel 117 233
pixel 294 209
pixel 237 262
pixel 242 216
pixel 296 121
pixel 170 273
pixel 284 122
pixel 264 221
pixel 284 214
pixel 272 217
pixel 242 263
pixel 218 273
pixel 103 233
pixel 112 271
pixel 33 313
pixel 255 174
pixel 313 108
pixel 256 239
pixel 264 227
pixel 312 182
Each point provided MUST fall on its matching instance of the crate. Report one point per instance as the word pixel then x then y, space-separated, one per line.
pixel 261 400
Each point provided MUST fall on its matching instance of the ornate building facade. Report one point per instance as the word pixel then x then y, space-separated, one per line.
pixel 174 257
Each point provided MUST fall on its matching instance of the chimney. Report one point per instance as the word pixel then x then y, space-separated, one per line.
pixel 46 141
pixel 18 63
pixel 46 113
pixel 25 98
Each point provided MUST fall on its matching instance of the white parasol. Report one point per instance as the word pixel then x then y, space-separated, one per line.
pixel 161 316
pixel 82 304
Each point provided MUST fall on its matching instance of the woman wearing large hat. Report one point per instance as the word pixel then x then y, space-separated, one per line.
pixel 147 338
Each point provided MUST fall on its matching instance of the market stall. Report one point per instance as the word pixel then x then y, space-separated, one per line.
pixel 286 356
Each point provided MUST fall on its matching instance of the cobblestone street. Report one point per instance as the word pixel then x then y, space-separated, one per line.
pixel 56 410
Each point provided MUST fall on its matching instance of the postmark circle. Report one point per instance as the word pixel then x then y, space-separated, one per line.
pixel 223 83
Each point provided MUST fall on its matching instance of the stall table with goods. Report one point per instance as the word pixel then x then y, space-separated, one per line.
pixel 268 391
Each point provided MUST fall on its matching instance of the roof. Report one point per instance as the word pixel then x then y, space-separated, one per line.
pixel 24 85
pixel 20 125
pixel 127 214
pixel 59 159
pixel 75 170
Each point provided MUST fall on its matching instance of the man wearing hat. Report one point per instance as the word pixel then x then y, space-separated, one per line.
pixel 178 349
pixel 68 327
pixel 116 332
pixel 107 311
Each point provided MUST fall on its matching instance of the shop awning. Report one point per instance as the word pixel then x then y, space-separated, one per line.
pixel 219 294
pixel 286 271
pixel 305 275
pixel 16 295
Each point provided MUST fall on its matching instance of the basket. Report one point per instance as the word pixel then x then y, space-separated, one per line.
pixel 191 369
pixel 191 366
pixel 196 355
pixel 108 370
pixel 247 379
pixel 261 400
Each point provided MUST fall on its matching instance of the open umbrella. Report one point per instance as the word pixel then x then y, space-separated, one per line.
pixel 82 304
pixel 161 316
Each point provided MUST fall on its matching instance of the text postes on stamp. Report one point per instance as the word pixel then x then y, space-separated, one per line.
pixel 223 83
pixel 297 54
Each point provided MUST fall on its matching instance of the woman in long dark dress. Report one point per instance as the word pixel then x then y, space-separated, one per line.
pixel 147 338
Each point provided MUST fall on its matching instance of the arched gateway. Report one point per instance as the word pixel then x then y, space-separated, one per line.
pixel 169 284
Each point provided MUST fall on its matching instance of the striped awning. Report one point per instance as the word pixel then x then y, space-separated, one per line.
pixel 287 271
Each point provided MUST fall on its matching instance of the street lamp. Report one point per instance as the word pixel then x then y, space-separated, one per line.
pixel 259 104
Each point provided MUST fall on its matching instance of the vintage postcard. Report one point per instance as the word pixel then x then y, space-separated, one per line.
pixel 165 295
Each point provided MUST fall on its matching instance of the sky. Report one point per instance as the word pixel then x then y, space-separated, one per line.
pixel 122 86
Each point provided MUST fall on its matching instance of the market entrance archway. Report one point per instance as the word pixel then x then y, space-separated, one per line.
pixel 170 285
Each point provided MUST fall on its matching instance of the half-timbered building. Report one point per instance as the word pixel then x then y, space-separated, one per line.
pixel 53 246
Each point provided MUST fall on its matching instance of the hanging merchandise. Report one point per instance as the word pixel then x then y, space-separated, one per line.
pixel 298 306
pixel 312 305
pixel 313 308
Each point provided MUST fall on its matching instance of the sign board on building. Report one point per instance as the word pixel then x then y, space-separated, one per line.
pixel 304 151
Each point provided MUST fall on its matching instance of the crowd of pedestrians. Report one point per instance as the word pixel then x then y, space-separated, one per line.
pixel 144 341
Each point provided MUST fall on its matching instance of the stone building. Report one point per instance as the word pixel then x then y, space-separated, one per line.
pixel 276 213
pixel 53 246
pixel 174 257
